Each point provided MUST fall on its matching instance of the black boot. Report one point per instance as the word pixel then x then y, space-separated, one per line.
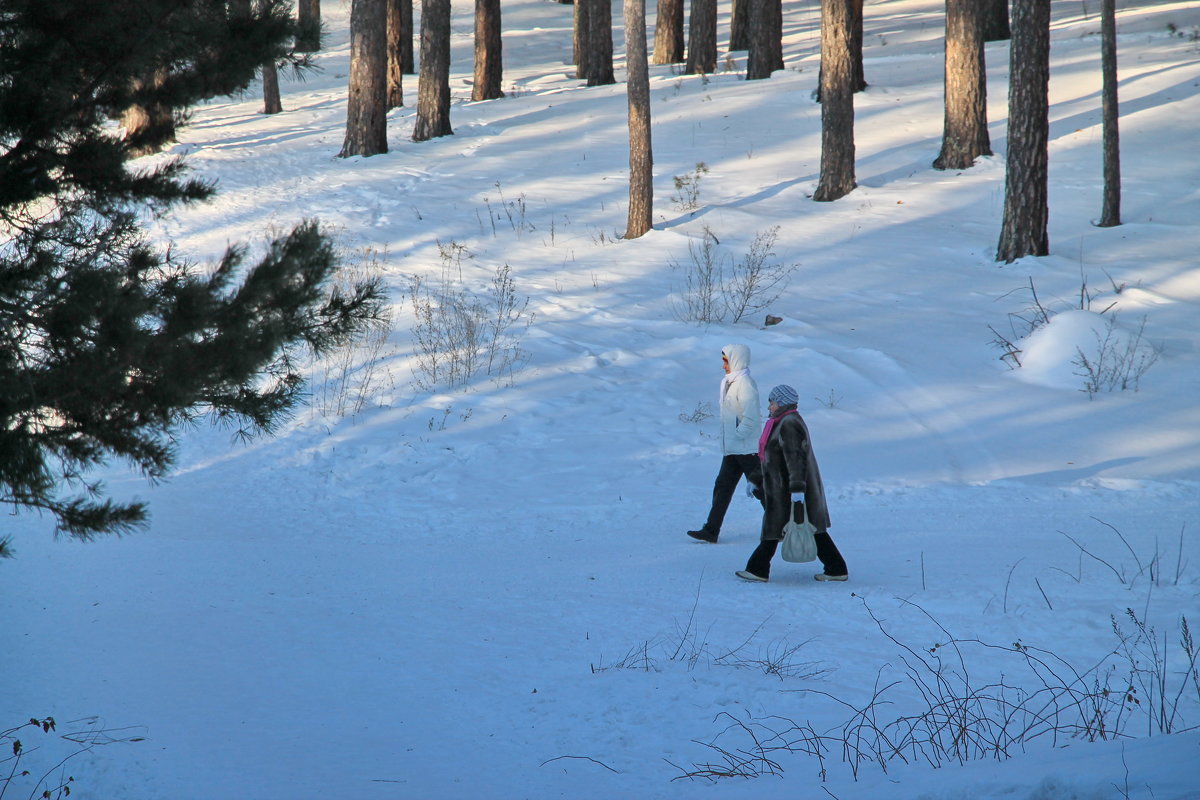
pixel 705 534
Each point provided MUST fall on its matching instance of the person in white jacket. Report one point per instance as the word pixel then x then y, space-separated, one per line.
pixel 741 424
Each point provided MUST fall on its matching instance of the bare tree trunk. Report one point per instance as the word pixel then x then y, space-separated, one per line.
pixel 1111 215
pixel 395 56
pixel 856 46
pixel 965 134
pixel 668 32
pixel 739 25
pixel 837 101
pixel 765 18
pixel 583 26
pixel 433 85
pixel 407 63
pixel 859 81
pixel 366 109
pixel 149 126
pixel 599 43
pixel 489 60
pixel 1026 211
pixel 995 21
pixel 775 7
pixel 272 103
pixel 702 38
pixel 308 17
pixel 641 154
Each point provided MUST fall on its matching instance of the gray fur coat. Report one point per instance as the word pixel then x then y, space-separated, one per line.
pixel 790 466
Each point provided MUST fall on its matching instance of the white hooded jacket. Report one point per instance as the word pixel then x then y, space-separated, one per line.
pixel 741 419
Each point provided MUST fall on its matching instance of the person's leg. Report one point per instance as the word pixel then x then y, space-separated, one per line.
pixel 727 481
pixel 831 559
pixel 760 560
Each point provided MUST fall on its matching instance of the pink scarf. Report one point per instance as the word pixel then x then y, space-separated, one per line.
pixel 766 434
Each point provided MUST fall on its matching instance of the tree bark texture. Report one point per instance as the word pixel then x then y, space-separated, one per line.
pixel 641 154
pixel 765 34
pixel 366 108
pixel 702 38
pixel 668 32
pixel 775 20
pixel 856 46
pixel 739 25
pixel 599 43
pixel 489 59
pixel 964 134
pixel 407 63
pixel 272 103
pixel 995 21
pixel 583 24
pixel 1026 212
pixel 859 81
pixel 395 65
pixel 837 101
pixel 308 17
pixel 433 84
pixel 1111 213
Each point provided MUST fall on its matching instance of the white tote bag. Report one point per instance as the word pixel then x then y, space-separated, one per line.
pixel 799 546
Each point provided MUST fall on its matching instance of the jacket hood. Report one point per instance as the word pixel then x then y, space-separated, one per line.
pixel 738 355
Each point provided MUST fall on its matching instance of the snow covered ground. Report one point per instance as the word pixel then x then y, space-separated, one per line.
pixel 489 592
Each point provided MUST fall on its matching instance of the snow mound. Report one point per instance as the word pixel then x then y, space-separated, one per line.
pixel 1076 346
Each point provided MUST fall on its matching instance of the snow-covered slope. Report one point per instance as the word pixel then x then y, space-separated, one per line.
pixel 489 593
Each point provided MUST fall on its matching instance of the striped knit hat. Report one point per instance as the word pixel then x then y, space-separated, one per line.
pixel 784 395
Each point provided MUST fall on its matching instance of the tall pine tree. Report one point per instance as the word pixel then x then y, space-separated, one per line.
pixel 109 342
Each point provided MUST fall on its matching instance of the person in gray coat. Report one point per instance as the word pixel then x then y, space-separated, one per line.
pixel 792 484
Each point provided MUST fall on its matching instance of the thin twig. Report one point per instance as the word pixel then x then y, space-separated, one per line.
pixel 1043 591
pixel 1125 542
pixel 1179 557
pixel 1007 582
pixel 1085 551
pixel 581 758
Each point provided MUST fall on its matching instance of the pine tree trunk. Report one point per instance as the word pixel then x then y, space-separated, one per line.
pixel 599 43
pixel 856 46
pixel 1111 214
pixel 1026 212
pixel 856 52
pixel 702 38
pixel 837 101
pixel 579 42
pixel 366 109
pixel 308 36
pixel 433 85
pixel 149 126
pixel 668 32
pixel 765 23
pixel 395 56
pixel 995 21
pixel 272 103
pixel 775 7
pixel 489 61
pixel 965 134
pixel 739 25
pixel 641 154
pixel 407 64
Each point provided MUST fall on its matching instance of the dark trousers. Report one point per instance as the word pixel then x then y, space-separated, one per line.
pixel 732 470
pixel 827 553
